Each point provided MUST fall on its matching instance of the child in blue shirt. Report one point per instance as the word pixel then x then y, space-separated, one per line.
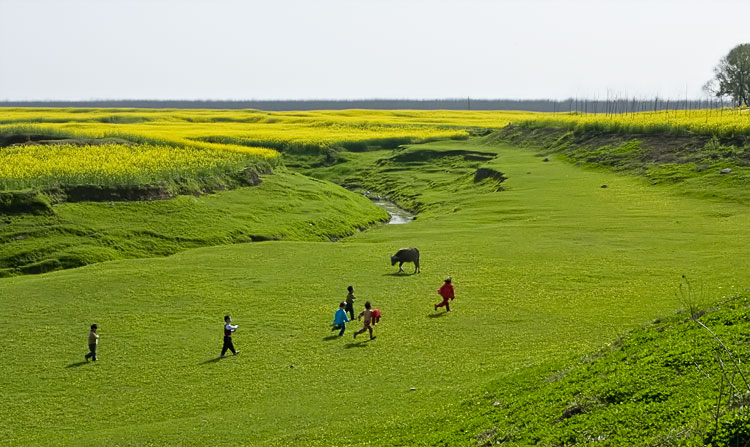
pixel 340 319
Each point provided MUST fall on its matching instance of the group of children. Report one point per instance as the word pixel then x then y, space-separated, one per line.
pixel 371 318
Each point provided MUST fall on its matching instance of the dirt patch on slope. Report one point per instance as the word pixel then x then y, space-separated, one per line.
pixel 40 201
pixel 51 140
pixel 646 148
pixel 491 174
pixel 426 155
pixel 659 146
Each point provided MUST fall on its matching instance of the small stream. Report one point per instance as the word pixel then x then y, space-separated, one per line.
pixel 398 215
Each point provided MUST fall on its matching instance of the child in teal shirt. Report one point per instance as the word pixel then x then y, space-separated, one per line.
pixel 340 319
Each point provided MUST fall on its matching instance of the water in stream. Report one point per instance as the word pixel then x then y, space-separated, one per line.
pixel 398 215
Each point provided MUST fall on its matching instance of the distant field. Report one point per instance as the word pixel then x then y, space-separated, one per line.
pixel 222 140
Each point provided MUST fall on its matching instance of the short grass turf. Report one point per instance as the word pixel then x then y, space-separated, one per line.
pixel 550 267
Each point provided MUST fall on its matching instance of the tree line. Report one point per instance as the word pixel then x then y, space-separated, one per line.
pixel 580 105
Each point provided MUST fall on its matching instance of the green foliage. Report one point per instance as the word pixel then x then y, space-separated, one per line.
pixel 731 431
pixel 733 75
pixel 19 202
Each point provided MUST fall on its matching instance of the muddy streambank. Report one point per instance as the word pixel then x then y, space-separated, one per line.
pixel 41 200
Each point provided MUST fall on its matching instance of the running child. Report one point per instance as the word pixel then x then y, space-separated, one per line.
pixel 229 328
pixel 446 292
pixel 367 313
pixel 350 301
pixel 340 319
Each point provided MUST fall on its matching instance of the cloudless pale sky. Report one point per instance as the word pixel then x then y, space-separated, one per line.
pixel 355 49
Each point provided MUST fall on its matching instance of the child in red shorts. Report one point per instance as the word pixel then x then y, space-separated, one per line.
pixel 367 313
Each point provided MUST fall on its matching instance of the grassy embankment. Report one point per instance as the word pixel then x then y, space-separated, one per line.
pixel 548 268
pixel 700 165
pixel 668 383
pixel 285 206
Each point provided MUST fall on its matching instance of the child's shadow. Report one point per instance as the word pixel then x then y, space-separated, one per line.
pixel 357 344
pixel 331 337
pixel 76 364
pixel 438 315
pixel 210 361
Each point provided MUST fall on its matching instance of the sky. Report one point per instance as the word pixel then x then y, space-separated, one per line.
pixel 363 49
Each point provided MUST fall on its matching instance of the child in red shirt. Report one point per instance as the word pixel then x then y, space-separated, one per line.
pixel 446 291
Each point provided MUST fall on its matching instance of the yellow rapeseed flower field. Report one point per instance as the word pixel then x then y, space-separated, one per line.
pixel 722 122
pixel 31 165
pixel 189 142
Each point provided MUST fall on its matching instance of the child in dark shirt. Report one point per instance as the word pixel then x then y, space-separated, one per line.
pixel 350 301
pixel 229 328
pixel 93 343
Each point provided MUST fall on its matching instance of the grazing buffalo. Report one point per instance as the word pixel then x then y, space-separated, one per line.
pixel 406 255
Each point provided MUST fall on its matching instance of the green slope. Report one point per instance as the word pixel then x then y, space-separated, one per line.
pixel 667 383
pixel 286 206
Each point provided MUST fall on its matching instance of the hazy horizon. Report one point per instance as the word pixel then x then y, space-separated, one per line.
pixel 83 50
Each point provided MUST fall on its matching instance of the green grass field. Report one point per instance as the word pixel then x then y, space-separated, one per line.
pixel 550 268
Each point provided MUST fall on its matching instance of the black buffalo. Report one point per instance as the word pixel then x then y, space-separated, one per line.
pixel 406 255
